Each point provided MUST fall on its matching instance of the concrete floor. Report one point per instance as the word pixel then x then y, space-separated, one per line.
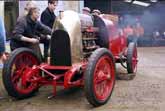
pixel 144 93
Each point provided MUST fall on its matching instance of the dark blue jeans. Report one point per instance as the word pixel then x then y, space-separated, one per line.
pixel 2 45
pixel 46 48
pixel 2 36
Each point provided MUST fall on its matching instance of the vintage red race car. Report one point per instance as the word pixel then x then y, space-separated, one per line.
pixel 83 53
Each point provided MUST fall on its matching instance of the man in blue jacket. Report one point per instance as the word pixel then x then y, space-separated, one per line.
pixel 2 40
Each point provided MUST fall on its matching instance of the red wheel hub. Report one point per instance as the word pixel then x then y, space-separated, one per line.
pixel 104 76
pixel 20 69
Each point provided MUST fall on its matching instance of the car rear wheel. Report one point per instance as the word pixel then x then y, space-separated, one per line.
pixel 132 58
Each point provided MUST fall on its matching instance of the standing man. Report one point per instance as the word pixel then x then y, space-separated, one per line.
pixel 128 30
pixel 47 18
pixel 96 12
pixel 86 10
pixel 139 32
pixel 2 44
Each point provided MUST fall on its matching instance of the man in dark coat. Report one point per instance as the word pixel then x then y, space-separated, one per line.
pixel 47 18
pixel 27 32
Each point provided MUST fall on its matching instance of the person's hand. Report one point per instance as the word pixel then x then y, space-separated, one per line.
pixel 48 37
pixel 34 41
pixel 45 37
pixel 4 57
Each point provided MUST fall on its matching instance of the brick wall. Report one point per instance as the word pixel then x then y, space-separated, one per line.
pixel 2 9
pixel 62 5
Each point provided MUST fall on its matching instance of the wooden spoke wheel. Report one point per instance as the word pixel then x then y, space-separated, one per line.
pixel 16 77
pixel 99 77
pixel 132 58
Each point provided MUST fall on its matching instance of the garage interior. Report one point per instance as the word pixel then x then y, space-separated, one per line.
pixel 151 16
pixel 144 93
pixel 150 13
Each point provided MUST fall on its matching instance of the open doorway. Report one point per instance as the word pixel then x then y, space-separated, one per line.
pixel 10 15
pixel 103 5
